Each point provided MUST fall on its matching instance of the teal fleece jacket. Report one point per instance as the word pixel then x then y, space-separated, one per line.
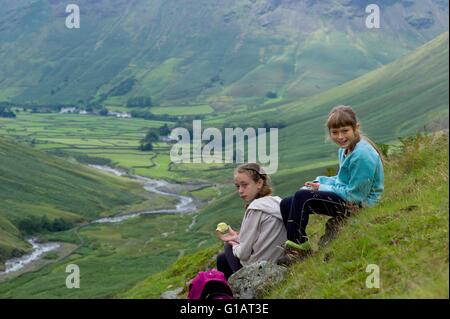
pixel 360 178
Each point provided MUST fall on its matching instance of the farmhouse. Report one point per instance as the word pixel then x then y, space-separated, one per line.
pixel 120 115
pixel 168 139
pixel 66 110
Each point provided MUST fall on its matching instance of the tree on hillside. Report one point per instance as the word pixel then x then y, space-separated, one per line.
pixel 6 112
pixel 151 137
pixel 144 147
pixel 33 224
pixel 103 112
pixel 164 130
pixel 271 95
pixel 139 101
pixel 123 88
pixel 60 224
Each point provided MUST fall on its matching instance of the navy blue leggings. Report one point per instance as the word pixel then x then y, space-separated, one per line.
pixel 296 210
pixel 227 262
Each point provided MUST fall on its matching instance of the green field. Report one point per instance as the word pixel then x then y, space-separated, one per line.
pixel 114 139
pixel 112 258
pixel 69 191
pixel 183 110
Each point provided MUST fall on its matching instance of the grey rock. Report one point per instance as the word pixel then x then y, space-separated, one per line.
pixel 171 294
pixel 252 281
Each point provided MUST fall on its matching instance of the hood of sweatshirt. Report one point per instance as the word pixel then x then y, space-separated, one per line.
pixel 267 204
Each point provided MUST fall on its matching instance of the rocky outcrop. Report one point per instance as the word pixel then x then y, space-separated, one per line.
pixel 172 294
pixel 251 282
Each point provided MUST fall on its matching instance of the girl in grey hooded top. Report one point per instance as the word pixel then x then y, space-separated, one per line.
pixel 262 232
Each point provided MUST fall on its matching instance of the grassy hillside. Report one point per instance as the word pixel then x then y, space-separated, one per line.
pixel 393 101
pixel 111 257
pixel 406 236
pixel 34 184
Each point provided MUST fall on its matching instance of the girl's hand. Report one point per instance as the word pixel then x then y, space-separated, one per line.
pixel 313 185
pixel 230 236
pixel 233 243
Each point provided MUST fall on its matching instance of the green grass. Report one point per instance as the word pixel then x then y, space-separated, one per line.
pixel 406 236
pixel 112 258
pixel 177 275
pixel 68 190
pixel 156 80
pixel 207 193
pixel 183 110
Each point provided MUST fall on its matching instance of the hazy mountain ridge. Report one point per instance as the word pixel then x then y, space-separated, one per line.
pixel 200 50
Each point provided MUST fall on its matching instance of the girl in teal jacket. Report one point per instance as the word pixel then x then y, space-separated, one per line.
pixel 359 181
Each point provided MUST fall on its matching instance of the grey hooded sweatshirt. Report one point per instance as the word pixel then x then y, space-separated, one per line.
pixel 262 232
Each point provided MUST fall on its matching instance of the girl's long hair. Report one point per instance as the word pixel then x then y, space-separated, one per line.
pixel 343 115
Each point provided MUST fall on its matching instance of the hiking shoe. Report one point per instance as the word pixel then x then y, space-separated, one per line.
pixel 296 246
pixel 294 252
pixel 332 228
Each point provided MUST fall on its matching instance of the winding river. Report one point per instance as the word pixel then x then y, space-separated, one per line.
pixel 37 252
pixel 185 205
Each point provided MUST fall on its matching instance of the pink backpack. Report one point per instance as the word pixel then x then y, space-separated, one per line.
pixel 210 284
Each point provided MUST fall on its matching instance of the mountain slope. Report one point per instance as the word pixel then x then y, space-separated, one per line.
pixel 406 236
pixel 418 178
pixel 34 184
pixel 201 50
pixel 393 101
